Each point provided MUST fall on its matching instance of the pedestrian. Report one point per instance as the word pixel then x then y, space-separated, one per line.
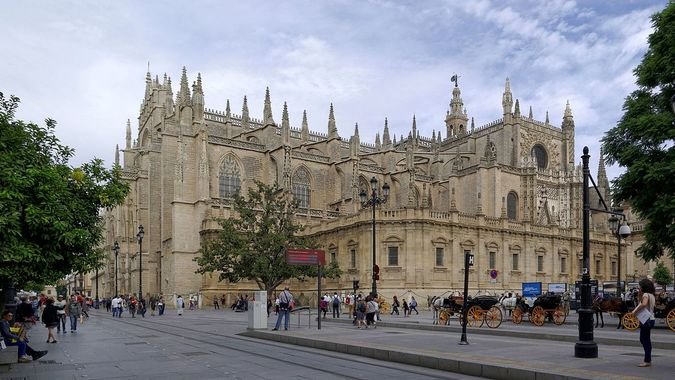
pixel 74 310
pixel 371 311
pixel 394 306
pixel 285 306
pixel 336 305
pixel 142 309
pixel 115 305
pixel 26 353
pixel 645 313
pixel 153 306
pixel 50 318
pixel 133 303
pixel 361 310
pixel 406 309
pixel 60 306
pixel 216 306
pixel 180 305
pixel 413 306
pixel 323 306
pixel 24 313
pixel 160 305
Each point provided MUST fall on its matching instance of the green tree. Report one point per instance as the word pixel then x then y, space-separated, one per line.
pixel 50 222
pixel 253 245
pixel 662 275
pixel 643 141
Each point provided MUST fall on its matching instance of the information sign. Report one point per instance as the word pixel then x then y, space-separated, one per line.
pixel 305 257
pixel 531 289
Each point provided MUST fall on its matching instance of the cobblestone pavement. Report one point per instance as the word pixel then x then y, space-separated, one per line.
pixel 201 345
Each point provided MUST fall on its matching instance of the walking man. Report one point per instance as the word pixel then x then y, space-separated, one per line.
pixel 74 312
pixel 285 305
pixel 60 306
pixel 336 305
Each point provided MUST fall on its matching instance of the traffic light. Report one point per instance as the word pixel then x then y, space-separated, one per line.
pixel 376 272
pixel 355 283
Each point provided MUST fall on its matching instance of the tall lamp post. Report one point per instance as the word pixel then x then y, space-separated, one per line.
pixel 376 198
pixel 139 236
pixel 116 249
pixel 621 230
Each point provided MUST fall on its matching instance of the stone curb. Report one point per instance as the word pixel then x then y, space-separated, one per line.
pixel 493 368
pixel 633 342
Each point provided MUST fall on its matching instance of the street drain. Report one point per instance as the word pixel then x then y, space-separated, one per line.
pixel 134 343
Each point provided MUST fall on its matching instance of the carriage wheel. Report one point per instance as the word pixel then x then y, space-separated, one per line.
pixel 670 319
pixel 517 316
pixel 443 317
pixel 630 321
pixel 559 315
pixel 475 316
pixel 493 317
pixel 537 316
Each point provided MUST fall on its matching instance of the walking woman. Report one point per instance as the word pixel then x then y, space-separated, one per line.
pixel 394 306
pixel 647 302
pixel 50 319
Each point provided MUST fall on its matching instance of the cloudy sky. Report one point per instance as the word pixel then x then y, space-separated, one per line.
pixel 83 63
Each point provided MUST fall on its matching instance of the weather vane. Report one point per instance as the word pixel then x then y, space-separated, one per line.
pixel 455 78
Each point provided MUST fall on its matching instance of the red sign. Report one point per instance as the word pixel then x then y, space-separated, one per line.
pixel 305 257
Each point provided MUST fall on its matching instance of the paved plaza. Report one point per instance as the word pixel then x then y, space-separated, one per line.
pixel 212 344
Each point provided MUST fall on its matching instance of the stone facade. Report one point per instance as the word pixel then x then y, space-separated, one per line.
pixel 508 191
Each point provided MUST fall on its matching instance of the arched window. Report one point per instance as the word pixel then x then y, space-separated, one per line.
pixel 229 178
pixel 300 187
pixel 539 152
pixel 512 205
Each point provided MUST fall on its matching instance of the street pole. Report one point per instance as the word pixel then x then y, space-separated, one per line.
pixel 467 263
pixel 375 199
pixel 374 291
pixel 618 270
pixel 585 347
pixel 96 303
pixel 116 249
pixel 140 235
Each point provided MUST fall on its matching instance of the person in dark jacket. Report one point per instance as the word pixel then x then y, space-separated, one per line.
pixel 24 312
pixel 26 353
pixel 50 319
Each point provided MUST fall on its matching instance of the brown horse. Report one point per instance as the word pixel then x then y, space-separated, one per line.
pixel 610 304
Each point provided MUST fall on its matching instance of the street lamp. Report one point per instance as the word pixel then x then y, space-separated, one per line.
pixel 116 249
pixel 585 347
pixel 139 236
pixel 375 199
pixel 621 230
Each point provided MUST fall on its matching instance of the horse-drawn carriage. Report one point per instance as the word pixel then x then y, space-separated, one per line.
pixel 482 309
pixel 664 308
pixel 551 306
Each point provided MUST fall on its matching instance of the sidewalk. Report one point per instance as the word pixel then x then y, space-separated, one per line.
pixel 508 352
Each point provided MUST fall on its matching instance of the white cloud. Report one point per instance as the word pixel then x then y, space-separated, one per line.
pixel 84 64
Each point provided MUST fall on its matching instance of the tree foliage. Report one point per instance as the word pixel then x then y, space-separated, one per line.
pixel 50 223
pixel 643 141
pixel 661 274
pixel 253 245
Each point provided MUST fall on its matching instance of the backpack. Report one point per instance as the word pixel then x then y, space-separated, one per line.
pixel 336 301
pixel 362 307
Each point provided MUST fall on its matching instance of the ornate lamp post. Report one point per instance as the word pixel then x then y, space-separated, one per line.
pixel 116 249
pixel 139 236
pixel 621 230
pixel 376 198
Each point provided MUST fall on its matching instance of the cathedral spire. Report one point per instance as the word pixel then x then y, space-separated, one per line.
pixel 568 138
pixel 244 115
pixel 128 142
pixel 184 93
pixel 117 154
pixel 530 114
pixel 516 113
pixel 228 113
pixel 267 111
pixel 547 121
pixel 603 182
pixel 507 97
pixel 456 120
pixel 568 110
pixel 148 83
pixel 355 142
pixel 378 144
pixel 198 98
pixel 304 134
pixel 385 135
pixel 285 125
pixel 332 128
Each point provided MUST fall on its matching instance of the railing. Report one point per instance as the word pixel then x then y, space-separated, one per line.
pixel 302 309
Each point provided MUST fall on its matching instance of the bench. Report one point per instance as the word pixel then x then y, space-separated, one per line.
pixel 9 355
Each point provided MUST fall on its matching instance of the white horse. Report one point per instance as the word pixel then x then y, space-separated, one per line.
pixel 508 303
